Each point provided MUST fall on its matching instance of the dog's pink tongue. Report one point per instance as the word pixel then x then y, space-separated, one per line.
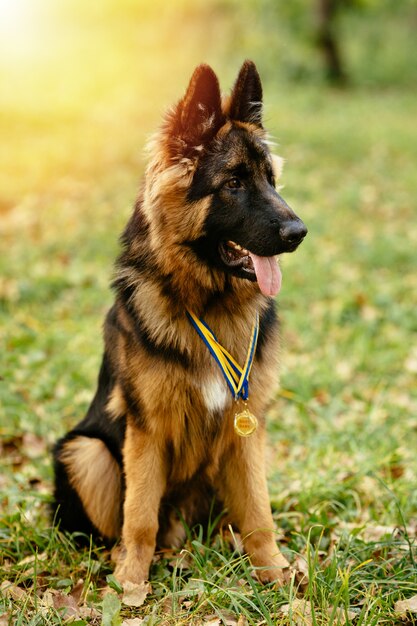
pixel 268 274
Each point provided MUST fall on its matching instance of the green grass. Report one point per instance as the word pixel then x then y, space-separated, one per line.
pixel 343 427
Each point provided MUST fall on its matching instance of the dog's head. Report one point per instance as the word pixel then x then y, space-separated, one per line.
pixel 217 154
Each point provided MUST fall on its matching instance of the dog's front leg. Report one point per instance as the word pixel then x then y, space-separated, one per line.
pixel 145 483
pixel 245 494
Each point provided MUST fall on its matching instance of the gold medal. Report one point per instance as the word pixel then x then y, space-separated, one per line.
pixel 245 423
pixel 237 377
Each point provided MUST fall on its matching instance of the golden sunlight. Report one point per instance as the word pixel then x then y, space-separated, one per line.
pixel 19 29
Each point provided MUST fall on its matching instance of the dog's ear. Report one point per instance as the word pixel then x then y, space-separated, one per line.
pixel 245 103
pixel 198 116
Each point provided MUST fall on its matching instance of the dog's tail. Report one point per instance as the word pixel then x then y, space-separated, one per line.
pixel 88 487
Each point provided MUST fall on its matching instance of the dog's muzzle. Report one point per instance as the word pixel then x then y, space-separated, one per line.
pixel 292 233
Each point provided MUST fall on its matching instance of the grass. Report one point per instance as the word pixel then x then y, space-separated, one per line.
pixel 343 427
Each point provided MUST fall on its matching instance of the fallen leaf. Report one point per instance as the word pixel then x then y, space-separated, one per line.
pixel 300 612
pixel 406 606
pixel 34 446
pixel 340 615
pixel 375 533
pixel 300 566
pixel 12 591
pixel 10 447
pixel 187 604
pixel 89 612
pixel 77 591
pixel 322 396
pixel 47 599
pixel 32 558
pixel 67 603
pixel 226 618
pixel 167 605
pixel 135 621
pixel 70 603
pixel 135 595
pixel 395 471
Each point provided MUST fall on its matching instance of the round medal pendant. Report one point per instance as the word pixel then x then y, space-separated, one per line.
pixel 245 423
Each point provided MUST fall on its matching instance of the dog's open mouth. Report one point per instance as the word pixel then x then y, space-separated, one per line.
pixel 261 268
pixel 237 257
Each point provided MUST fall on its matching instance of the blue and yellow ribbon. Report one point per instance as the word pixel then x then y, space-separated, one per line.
pixel 237 377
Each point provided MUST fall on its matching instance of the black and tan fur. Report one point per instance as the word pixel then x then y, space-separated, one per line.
pixel 158 443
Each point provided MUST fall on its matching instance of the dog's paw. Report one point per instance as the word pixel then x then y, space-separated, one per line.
pixel 129 569
pixel 277 570
pixel 130 573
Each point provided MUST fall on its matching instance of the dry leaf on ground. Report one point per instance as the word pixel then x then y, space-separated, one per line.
pixel 406 606
pixel 67 603
pixel 341 616
pixel 12 591
pixel 375 533
pixel 42 556
pixel 226 618
pixel 135 595
pixel 70 604
pixel 47 599
pixel 300 567
pixel 300 610
pixel 77 591
pixel 89 612
pixel 34 446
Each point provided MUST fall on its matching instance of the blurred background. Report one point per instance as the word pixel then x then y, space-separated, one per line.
pixel 84 84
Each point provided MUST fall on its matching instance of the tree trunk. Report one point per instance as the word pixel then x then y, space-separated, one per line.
pixel 328 43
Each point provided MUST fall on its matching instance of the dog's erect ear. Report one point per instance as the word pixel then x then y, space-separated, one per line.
pixel 198 115
pixel 246 99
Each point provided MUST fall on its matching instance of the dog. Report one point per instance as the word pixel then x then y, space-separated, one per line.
pixel 167 433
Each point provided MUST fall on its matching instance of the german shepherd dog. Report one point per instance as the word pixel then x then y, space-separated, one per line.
pixel 158 444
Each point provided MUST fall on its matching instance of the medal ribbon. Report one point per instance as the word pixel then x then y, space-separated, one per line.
pixel 236 377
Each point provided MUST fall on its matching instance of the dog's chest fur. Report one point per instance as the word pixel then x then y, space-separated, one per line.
pixel 215 393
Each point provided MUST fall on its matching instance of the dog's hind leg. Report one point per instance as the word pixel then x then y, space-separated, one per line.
pixel 88 486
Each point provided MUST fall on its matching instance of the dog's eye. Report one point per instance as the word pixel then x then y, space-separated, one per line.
pixel 233 183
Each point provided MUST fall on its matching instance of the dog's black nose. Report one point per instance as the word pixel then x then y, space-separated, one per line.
pixel 293 231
